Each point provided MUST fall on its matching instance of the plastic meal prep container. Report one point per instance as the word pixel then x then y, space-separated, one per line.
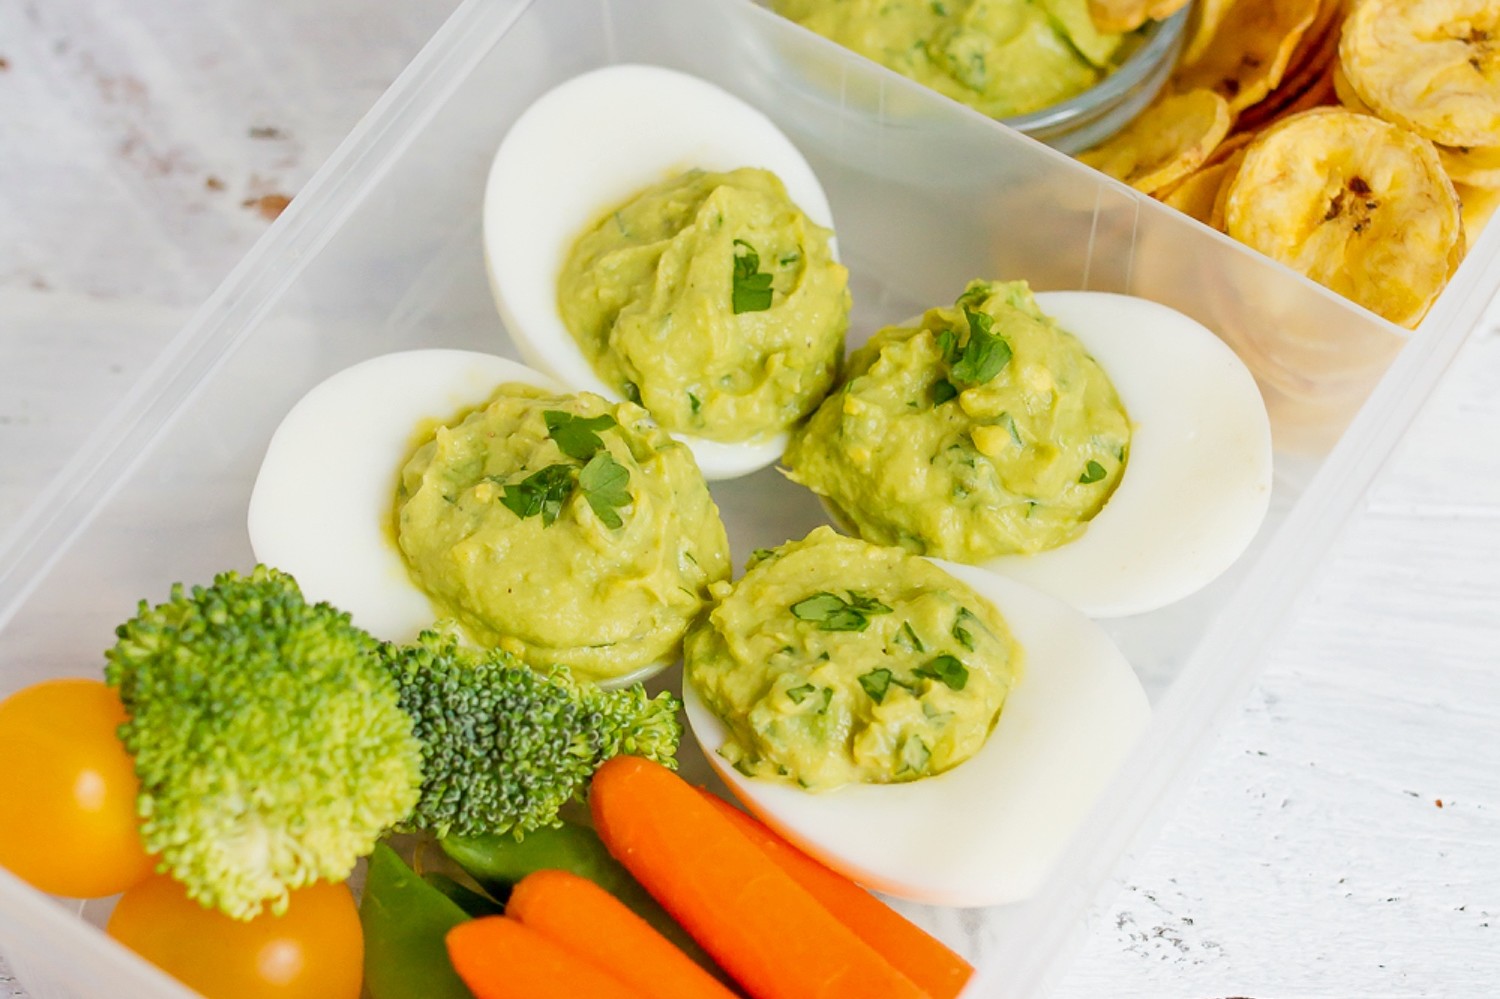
pixel 382 252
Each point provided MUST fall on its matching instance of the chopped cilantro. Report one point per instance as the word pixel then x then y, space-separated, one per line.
pixel 962 634
pixel 907 638
pixel 799 694
pixel 876 683
pixel 831 612
pixel 946 669
pixel 942 391
pixel 1092 472
pixel 695 403
pixel 603 481
pixel 577 436
pixel 915 755
pixel 542 492
pixel 751 291
pixel 984 354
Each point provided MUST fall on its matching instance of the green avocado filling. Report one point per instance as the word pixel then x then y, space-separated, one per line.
pixel 563 529
pixel 713 301
pixel 984 430
pixel 833 661
pixel 1001 57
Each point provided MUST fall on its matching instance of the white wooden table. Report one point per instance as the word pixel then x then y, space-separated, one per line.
pixel 1343 839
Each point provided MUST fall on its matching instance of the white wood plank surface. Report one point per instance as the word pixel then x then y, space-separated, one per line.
pixel 1343 839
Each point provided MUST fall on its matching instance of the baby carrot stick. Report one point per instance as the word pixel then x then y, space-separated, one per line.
pixel 589 921
pixel 757 923
pixel 498 958
pixel 921 957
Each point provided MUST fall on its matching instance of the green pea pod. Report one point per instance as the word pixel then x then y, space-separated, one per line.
pixel 405 920
pixel 497 862
pixel 466 898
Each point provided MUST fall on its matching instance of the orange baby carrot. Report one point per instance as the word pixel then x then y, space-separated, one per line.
pixel 921 957
pixel 763 928
pixel 498 958
pixel 587 920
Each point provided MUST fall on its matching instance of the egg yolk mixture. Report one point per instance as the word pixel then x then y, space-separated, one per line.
pixel 984 430
pixel 1001 57
pixel 562 528
pixel 711 300
pixel 833 661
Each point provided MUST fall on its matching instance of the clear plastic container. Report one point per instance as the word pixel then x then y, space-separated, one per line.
pixel 382 252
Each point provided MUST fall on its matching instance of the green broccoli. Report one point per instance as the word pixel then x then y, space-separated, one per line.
pixel 507 745
pixel 270 746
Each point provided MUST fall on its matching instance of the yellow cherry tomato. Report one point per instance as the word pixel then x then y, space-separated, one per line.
pixel 314 951
pixel 67 791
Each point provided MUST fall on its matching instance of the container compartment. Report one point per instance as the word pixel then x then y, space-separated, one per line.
pixel 382 252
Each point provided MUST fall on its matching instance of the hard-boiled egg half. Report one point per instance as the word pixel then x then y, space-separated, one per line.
pixel 988 830
pixel 566 168
pixel 1180 457
pixel 453 486
pixel 1197 484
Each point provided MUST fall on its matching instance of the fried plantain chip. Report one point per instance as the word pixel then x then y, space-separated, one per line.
pixel 1250 51
pixel 1475 166
pixel 1357 204
pixel 1432 66
pixel 1119 16
pixel 1194 195
pixel 1479 203
pixel 1168 141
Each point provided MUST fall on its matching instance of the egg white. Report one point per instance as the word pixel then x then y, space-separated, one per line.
pixel 324 499
pixel 1197 482
pixel 588 146
pixel 988 831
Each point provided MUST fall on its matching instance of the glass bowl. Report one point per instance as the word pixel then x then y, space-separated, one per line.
pixel 1084 121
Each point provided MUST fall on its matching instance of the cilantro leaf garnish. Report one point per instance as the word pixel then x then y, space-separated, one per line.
pixel 1092 472
pixel 915 754
pixel 577 436
pixel 799 694
pixel 985 353
pixel 876 683
pixel 542 492
pixel 947 670
pixel 962 634
pixel 942 391
pixel 751 289
pixel 907 638
pixel 695 402
pixel 831 612
pixel 603 481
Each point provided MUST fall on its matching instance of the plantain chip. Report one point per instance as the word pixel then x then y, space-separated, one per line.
pixel 1355 203
pixel 1168 141
pixel 1120 16
pixel 1475 166
pixel 1194 195
pixel 1203 25
pixel 1479 203
pixel 1249 53
pixel 1432 66
pixel 1221 199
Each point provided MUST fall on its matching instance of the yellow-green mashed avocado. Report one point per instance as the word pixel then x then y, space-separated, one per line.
pixel 713 301
pixel 833 661
pixel 563 529
pixel 1001 57
pixel 984 430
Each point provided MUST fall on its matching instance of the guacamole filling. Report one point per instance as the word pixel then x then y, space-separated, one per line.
pixel 833 661
pixel 713 301
pixel 562 528
pixel 984 430
pixel 1001 57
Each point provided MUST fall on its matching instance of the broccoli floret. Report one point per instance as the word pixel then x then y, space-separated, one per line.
pixel 267 737
pixel 506 745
